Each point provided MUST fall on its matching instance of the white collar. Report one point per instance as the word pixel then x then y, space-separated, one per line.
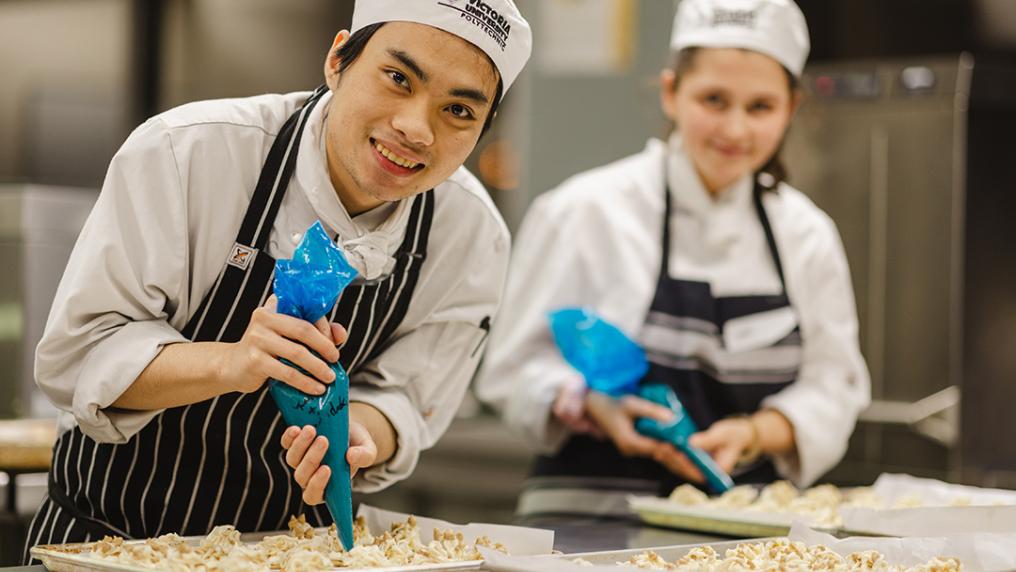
pixel 369 239
pixel 686 187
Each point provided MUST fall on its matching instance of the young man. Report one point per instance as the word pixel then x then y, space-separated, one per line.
pixel 163 332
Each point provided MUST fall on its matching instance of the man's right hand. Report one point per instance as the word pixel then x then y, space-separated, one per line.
pixel 250 362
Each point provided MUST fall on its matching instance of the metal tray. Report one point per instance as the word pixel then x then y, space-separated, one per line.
pixel 603 558
pixel 728 522
pixel 77 557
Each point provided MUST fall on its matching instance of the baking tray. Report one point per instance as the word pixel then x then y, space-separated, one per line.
pixel 727 522
pixel 602 558
pixel 76 557
pixel 935 518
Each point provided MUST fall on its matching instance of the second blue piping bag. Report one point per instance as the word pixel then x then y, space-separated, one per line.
pixel 678 431
pixel 307 287
pixel 613 364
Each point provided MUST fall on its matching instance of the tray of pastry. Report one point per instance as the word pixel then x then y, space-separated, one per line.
pixel 383 540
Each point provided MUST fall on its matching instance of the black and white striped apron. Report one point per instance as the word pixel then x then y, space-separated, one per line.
pixel 683 339
pixel 220 461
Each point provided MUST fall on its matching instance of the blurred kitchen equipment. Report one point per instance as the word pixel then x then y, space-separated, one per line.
pixel 26 447
pixel 38 228
pixel 913 159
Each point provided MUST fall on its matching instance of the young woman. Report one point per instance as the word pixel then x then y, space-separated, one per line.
pixel 735 284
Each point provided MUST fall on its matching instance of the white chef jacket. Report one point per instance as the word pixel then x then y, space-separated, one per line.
pixel 596 241
pixel 167 216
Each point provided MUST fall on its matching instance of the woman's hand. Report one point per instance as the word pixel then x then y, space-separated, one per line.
pixel 617 417
pixel 250 362
pixel 570 408
pixel 727 441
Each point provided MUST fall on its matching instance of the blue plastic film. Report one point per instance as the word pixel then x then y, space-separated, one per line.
pixel 307 287
pixel 609 361
pixel 308 284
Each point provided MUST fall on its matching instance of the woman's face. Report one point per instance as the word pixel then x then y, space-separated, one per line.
pixel 732 107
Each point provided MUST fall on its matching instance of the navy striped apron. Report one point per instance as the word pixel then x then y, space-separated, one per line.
pixel 220 461
pixel 681 310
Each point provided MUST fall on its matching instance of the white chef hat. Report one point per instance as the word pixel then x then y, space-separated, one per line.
pixel 495 26
pixel 775 28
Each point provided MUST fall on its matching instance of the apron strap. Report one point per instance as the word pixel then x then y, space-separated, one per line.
pixel 757 190
pixel 768 228
pixel 278 169
pixel 256 226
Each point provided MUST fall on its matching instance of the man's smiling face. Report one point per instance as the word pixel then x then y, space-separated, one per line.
pixel 405 114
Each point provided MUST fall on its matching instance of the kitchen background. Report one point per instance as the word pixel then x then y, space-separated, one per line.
pixel 908 140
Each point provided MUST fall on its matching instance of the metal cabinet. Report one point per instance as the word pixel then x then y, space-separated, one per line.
pixel 892 150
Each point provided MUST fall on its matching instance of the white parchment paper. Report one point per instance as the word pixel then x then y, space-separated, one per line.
pixel 990 510
pixel 977 552
pixel 519 541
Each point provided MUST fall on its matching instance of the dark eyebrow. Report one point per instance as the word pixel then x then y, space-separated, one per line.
pixel 409 62
pixel 471 94
pixel 468 93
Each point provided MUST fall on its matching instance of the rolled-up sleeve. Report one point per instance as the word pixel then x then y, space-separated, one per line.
pixel 833 385
pixel 125 277
pixel 420 378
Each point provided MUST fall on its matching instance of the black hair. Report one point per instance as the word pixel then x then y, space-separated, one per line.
pixel 349 51
pixel 683 61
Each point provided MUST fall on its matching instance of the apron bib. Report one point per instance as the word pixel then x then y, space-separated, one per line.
pixel 721 355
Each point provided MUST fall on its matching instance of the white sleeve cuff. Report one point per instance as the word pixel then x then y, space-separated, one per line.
pixel 821 431
pixel 409 430
pixel 110 368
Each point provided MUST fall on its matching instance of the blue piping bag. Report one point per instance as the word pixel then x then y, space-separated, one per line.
pixel 307 287
pixel 608 360
pixel 678 431
pixel 612 363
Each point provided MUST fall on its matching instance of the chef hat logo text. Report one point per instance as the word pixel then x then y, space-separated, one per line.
pixel 485 17
pixel 743 18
